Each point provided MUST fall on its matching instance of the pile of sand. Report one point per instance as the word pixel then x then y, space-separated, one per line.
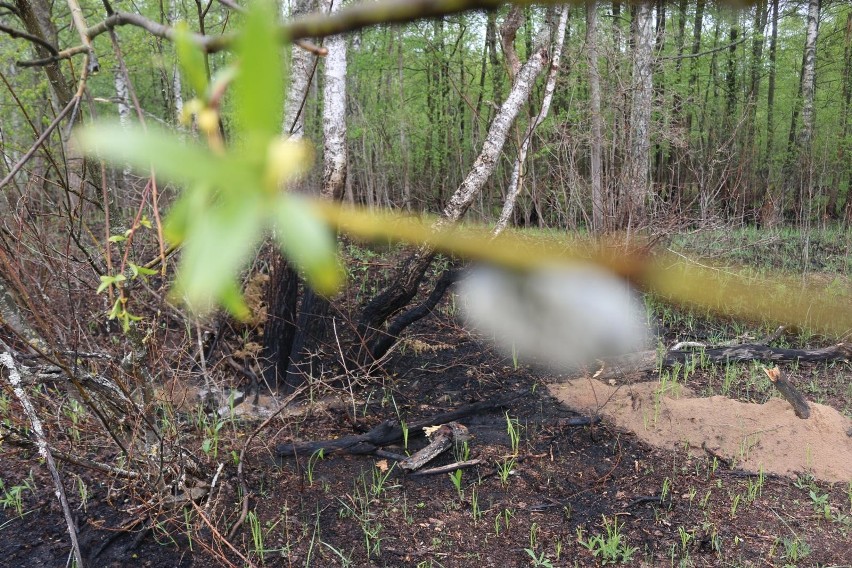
pixel 749 435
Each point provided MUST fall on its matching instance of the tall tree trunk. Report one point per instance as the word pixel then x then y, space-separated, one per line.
pixel 124 119
pixel 600 211
pixel 676 154
pixel 809 76
pixel 800 137
pixel 692 90
pixel 660 147
pixel 403 127
pixel 313 313
pixel 640 117
pixel 806 135
pixel 405 284
pixel 280 331
pixel 301 70
pixel 751 147
pixel 770 211
pixel 177 87
pixel 730 190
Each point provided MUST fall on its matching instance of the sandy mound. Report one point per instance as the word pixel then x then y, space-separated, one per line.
pixel 750 435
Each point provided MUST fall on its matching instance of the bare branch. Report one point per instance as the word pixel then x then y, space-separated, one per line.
pixel 18 34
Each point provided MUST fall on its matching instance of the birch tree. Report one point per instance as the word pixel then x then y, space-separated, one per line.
pixel 636 169
pixel 334 113
pixel 280 331
pixel 314 308
pixel 516 181
pixel 599 211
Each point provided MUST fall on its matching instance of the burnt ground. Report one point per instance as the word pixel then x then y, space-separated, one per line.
pixel 560 495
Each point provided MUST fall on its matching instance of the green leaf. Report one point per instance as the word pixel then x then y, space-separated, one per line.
pixel 136 270
pixel 107 281
pixel 191 59
pixel 217 244
pixel 309 243
pixel 259 86
pixel 117 238
pixel 183 163
pixel 117 308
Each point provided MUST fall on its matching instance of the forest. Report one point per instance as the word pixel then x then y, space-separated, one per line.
pixel 425 282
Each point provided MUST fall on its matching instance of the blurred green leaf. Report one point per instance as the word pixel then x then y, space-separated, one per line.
pixel 191 59
pixel 185 163
pixel 217 245
pixel 259 86
pixel 309 243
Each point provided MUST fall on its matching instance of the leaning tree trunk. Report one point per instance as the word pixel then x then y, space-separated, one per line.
pixel 516 181
pixel 409 275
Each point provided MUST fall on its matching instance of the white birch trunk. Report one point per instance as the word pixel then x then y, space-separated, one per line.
pixel 121 95
pixel 599 210
pixel 516 182
pixel 177 84
pixel 808 76
pixel 334 113
pixel 301 69
pixel 640 116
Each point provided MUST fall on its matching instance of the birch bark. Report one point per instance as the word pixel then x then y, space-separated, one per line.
pixel 301 70
pixel 516 181
pixel 334 113
pixel 640 117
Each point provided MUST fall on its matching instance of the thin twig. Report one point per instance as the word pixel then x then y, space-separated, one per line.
pixel 217 534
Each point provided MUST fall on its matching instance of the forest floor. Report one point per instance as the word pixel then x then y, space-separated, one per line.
pixel 545 492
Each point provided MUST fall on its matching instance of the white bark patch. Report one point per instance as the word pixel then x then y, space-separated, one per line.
pixel 334 114
pixel 564 317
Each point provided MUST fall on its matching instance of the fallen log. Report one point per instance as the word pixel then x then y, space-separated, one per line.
pixel 648 361
pixel 391 431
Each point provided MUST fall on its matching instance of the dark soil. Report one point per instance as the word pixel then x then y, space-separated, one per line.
pixel 567 484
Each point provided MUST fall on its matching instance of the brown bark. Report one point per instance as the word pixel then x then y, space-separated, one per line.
pixel 508 31
pixel 637 186
pixel 600 212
